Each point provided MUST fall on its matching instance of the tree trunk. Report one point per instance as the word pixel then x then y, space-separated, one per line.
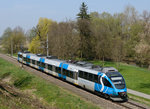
pixel 149 67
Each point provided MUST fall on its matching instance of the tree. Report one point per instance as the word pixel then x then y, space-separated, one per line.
pixel 13 39
pixel 41 31
pixel 64 40
pixel 83 12
pixel 35 45
pixel 85 33
pixel 30 34
pixel 6 41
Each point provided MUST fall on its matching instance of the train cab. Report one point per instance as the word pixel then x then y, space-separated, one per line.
pixel 119 86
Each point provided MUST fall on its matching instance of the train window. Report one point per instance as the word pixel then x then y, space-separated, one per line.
pixel 24 58
pixel 42 64
pixel 58 69
pixel 64 72
pixel 67 73
pixel 90 77
pixel 33 61
pixel 81 74
pixel 71 74
pixel 106 82
pixel 95 78
pixel 28 60
pixel 38 63
pixel 50 67
pixel 85 75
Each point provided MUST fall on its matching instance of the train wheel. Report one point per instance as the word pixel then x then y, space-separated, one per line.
pixel 106 96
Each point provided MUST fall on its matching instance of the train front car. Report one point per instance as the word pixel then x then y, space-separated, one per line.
pixel 119 86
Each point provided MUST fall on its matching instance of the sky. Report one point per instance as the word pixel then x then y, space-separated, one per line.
pixel 26 13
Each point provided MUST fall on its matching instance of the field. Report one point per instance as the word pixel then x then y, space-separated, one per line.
pixel 136 78
pixel 34 92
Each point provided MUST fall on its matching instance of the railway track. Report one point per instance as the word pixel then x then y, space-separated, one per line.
pixel 101 102
pixel 132 105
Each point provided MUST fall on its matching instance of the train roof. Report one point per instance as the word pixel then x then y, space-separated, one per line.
pixel 78 65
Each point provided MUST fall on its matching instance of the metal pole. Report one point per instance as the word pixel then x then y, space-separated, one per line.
pixel 11 47
pixel 47 44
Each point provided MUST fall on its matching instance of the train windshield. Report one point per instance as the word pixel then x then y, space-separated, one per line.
pixel 117 79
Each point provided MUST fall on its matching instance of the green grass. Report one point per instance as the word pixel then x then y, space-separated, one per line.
pixel 136 78
pixel 53 95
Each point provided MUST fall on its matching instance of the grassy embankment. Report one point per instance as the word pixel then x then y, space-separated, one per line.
pixel 39 92
pixel 136 78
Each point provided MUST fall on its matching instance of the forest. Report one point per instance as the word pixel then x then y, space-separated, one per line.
pixel 119 37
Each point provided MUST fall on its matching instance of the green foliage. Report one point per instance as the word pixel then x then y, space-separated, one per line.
pixel 83 12
pixel 23 81
pixel 34 46
pixel 38 43
pixel 13 39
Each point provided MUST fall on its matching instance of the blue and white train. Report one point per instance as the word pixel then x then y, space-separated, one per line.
pixel 106 81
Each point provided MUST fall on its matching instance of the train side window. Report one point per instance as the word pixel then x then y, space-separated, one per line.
pixel 90 76
pixel 58 69
pixel 81 74
pixel 71 74
pixel 24 58
pixel 49 67
pixel 33 62
pixel 85 75
pixel 64 71
pixel 38 63
pixel 67 73
pixel 43 65
pixel 95 78
pixel 106 82
pixel 27 59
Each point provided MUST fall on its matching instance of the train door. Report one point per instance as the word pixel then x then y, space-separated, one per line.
pixel 76 77
pixel 62 71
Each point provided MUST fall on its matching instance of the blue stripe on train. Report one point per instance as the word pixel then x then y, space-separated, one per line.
pixel 28 56
pixel 64 66
pixel 97 87
pixel 41 60
pixel 61 76
pixel 106 90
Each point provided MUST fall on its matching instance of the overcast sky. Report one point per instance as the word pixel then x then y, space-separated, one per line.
pixel 26 13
